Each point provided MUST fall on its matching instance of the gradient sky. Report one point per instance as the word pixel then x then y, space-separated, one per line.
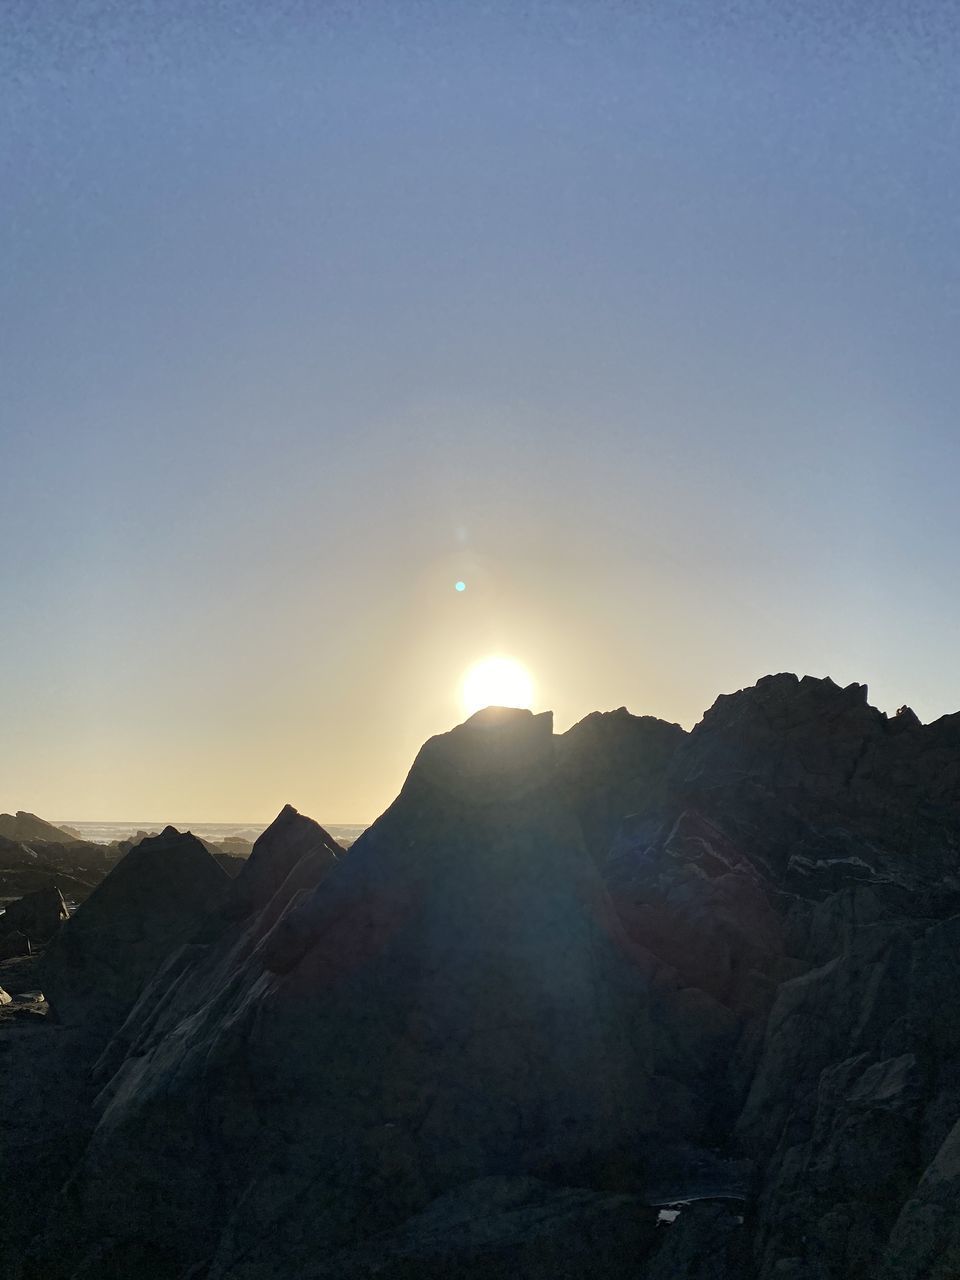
pixel 640 318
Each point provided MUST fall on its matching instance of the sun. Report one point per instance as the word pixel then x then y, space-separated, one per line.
pixel 497 682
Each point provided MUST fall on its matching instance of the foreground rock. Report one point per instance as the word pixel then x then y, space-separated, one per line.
pixel 800 864
pixel 289 838
pixel 560 982
pixel 449 1002
pixel 154 899
pixel 37 915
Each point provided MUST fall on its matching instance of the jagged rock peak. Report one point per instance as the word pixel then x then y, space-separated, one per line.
pixel 169 848
pixel 786 697
pixel 152 901
pixel 906 719
pixel 789 732
pixel 290 837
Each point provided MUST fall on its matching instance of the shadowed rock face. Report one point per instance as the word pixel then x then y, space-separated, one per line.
pixel 274 855
pixel 36 915
pixel 614 764
pixel 450 1001
pixel 800 865
pixel 401 1061
pixel 154 899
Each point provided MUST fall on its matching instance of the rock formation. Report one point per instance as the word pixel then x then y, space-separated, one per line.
pixel 37 915
pixel 450 1001
pixel 561 983
pixel 26 827
pixel 154 899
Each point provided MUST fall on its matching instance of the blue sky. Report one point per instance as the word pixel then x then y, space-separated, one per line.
pixel 639 318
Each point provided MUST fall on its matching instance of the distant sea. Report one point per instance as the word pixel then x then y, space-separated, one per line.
pixel 107 832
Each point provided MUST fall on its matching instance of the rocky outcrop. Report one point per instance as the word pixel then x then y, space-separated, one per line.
pixel 37 915
pixel 614 763
pixel 560 982
pixel 288 839
pixel 74 867
pixel 449 1002
pixel 14 943
pixel 25 828
pixel 797 860
pixel 154 899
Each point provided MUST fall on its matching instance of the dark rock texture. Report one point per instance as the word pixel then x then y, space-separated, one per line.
pixel 154 898
pixel 561 981
pixel 501 1228
pixel 449 1001
pixel 802 869
pixel 14 943
pixel 36 915
pixel 288 839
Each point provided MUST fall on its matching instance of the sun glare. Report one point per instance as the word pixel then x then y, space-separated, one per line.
pixel 497 682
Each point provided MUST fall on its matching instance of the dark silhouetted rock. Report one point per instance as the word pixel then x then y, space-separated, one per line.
pixel 14 943
pixel 615 764
pixel 25 828
pixel 451 1001
pixel 38 915
pixel 151 902
pixel 274 855
pixel 715 968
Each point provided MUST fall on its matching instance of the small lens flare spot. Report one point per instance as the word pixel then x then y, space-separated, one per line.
pixel 459 586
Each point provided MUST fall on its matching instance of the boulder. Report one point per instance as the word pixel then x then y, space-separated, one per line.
pixel 13 944
pixel 37 915
pixel 150 903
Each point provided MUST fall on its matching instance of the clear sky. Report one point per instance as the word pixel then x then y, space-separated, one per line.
pixel 640 318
